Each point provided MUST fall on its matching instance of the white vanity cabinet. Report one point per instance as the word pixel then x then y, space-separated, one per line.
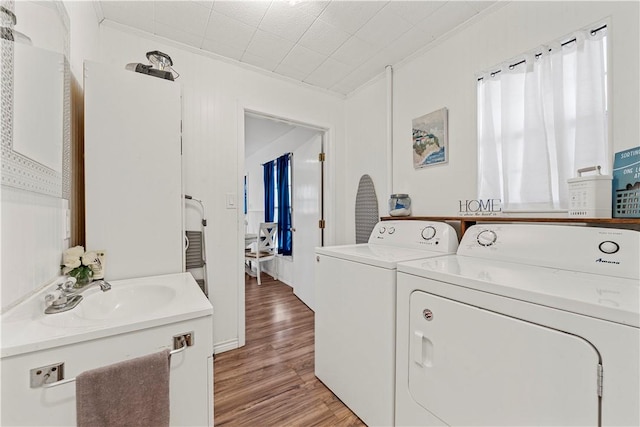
pixel 190 380
pixel 133 175
pixel 85 340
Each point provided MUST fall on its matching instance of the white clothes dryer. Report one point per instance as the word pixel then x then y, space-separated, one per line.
pixel 525 325
pixel 356 310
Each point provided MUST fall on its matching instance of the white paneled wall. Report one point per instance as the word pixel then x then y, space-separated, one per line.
pixel 214 96
pixel 445 76
pixel 83 35
pixel 32 242
pixel 366 152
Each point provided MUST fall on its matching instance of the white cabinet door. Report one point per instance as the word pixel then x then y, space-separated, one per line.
pixel 133 171
pixel 470 366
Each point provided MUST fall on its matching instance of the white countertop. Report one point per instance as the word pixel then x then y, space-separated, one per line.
pixel 25 328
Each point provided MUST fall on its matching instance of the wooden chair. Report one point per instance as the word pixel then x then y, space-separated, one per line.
pixel 266 247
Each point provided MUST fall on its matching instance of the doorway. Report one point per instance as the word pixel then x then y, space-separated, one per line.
pixel 265 139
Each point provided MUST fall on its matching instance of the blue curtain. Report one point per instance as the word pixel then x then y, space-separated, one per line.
pixel 269 191
pixel 284 206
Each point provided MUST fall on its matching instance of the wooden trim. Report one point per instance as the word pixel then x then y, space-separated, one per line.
pixel 76 202
pixel 468 221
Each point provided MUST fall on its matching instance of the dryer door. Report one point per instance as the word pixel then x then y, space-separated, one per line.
pixel 470 366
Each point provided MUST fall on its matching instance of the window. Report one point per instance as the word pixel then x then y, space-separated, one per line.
pixel 277 200
pixel 540 119
pixel 245 195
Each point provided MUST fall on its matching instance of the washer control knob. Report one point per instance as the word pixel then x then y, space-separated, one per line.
pixel 392 230
pixel 428 233
pixel 487 238
pixel 609 247
pixel 382 230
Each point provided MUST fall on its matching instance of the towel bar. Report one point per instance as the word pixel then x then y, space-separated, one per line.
pixel 70 380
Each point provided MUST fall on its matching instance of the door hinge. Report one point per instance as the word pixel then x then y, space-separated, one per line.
pixel 600 375
pixel 321 157
pixel 321 224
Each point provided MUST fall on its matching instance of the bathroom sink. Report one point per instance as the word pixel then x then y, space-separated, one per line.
pixel 130 305
pixel 124 301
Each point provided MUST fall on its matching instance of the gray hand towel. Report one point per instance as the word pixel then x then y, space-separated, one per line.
pixel 130 393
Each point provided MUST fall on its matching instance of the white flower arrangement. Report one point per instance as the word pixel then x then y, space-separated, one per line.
pixel 80 264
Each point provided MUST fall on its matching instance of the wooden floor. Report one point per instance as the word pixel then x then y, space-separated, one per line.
pixel 270 381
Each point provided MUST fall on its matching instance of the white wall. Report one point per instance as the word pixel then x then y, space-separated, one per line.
pixel 33 235
pixel 84 34
pixel 214 95
pixel 366 152
pixel 444 76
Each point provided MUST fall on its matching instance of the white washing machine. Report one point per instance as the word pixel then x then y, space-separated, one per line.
pixel 355 312
pixel 526 325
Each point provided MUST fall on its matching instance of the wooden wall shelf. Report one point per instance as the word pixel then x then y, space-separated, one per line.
pixel 468 221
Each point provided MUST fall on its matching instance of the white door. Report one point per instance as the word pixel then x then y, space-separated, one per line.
pixel 306 214
pixel 469 366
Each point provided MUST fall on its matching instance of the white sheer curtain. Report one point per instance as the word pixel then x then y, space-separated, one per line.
pixel 541 120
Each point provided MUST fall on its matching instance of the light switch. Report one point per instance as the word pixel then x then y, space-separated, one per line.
pixel 231 201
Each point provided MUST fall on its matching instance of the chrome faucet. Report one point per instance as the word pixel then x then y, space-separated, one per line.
pixel 69 297
pixel 69 291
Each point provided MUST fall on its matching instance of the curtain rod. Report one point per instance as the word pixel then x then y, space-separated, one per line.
pixel 537 55
pixel 285 154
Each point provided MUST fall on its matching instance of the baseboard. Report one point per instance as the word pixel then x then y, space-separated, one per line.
pixel 272 273
pixel 225 346
pixel 286 283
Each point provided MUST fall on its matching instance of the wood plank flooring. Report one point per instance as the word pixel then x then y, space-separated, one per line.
pixel 270 381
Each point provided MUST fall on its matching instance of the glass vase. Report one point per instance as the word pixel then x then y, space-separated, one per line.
pixel 83 277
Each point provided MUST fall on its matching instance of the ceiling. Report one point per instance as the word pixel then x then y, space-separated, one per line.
pixel 335 45
pixel 260 132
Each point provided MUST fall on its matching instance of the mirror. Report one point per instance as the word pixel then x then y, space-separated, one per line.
pixel 36 107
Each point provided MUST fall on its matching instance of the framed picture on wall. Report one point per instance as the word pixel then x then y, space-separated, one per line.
pixel 430 145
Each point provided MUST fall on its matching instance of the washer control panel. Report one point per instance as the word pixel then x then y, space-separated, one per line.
pixel 607 251
pixel 427 235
